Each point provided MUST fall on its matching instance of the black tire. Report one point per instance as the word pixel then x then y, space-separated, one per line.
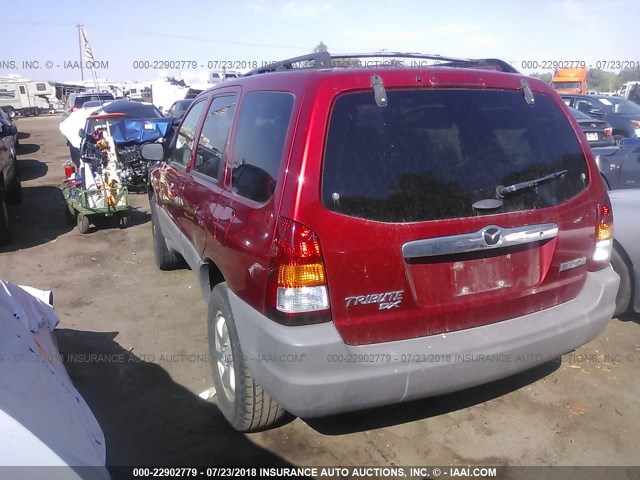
pixel 5 222
pixel 165 259
pixel 13 185
pixel 246 406
pixel 82 221
pixel 11 113
pixel 623 298
pixel 123 220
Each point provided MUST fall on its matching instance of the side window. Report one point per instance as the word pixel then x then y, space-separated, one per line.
pixel 263 122
pixel 23 91
pixel 586 106
pixel 181 150
pixel 213 139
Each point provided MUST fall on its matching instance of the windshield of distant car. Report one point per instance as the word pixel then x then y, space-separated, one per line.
pixel 129 108
pixel 79 101
pixel 620 106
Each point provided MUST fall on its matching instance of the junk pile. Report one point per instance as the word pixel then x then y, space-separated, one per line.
pixel 97 189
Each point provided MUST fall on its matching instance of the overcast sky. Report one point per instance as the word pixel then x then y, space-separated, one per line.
pixel 249 31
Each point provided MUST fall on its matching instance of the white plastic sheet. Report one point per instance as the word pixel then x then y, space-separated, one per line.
pixel 43 418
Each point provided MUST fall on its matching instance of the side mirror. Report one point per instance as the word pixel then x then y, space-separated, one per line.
pixel 82 133
pixel 152 152
pixel 176 121
pixel 596 111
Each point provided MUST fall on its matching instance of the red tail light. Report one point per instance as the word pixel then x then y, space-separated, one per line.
pixel 73 109
pixel 297 293
pixel 608 132
pixel 603 236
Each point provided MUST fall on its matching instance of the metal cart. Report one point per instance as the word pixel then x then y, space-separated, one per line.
pixel 87 202
pixel 83 206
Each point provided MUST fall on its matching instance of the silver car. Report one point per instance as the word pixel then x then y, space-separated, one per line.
pixel 625 258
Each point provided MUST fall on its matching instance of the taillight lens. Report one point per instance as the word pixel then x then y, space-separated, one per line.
pixel 297 293
pixel 604 236
pixel 73 109
pixel 608 132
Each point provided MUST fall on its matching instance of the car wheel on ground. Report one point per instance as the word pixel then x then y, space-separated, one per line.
pixel 5 224
pixel 623 299
pixel 245 405
pixel 165 258
pixel 14 187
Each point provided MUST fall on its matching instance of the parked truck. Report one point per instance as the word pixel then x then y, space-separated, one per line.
pixel 26 98
pixel 631 91
pixel 570 80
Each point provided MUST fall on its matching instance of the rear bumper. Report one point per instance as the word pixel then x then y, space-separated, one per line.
pixel 311 372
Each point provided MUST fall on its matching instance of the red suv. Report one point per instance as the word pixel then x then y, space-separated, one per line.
pixel 366 236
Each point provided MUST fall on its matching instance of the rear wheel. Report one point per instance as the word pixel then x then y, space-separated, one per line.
pixel 13 185
pixel 5 224
pixel 245 405
pixel 165 258
pixel 623 298
pixel 123 220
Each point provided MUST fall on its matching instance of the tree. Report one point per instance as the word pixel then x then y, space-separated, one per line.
pixel 545 77
pixel 601 81
pixel 321 47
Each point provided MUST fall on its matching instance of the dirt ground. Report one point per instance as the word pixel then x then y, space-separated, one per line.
pixel 113 301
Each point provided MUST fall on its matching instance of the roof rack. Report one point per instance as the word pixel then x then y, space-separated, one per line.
pixel 318 60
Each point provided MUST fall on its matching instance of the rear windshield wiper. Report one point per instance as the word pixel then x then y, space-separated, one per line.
pixel 502 191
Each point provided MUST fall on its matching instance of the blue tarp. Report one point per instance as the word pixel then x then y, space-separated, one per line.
pixel 141 131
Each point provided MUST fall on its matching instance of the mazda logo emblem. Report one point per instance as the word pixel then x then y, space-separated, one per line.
pixel 491 236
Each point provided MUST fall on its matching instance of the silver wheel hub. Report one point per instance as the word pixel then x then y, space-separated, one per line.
pixel 224 357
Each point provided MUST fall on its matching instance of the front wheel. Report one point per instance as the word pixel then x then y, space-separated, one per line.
pixel 83 223
pixel 623 298
pixel 165 259
pixel 245 405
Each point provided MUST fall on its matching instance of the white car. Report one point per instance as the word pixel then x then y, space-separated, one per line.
pixel 625 258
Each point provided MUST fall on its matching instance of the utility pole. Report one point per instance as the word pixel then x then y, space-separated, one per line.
pixel 79 26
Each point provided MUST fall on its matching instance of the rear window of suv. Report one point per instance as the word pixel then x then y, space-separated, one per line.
pixel 431 154
pixel 81 100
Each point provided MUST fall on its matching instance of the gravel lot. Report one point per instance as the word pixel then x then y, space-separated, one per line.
pixel 136 348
